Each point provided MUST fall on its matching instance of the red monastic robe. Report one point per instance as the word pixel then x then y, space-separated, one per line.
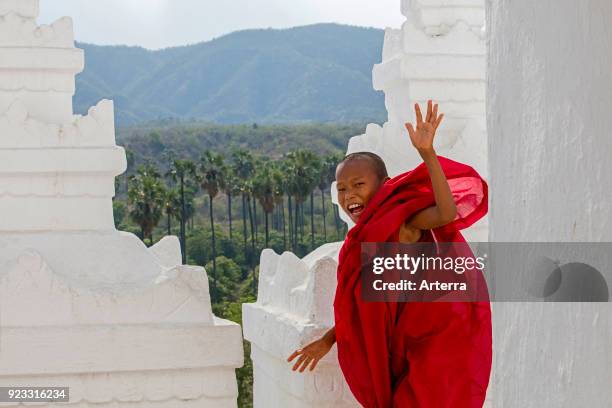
pixel 416 354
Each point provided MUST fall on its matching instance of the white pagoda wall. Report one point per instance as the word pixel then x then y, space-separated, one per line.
pixel 294 306
pixel 550 145
pixel 440 54
pixel 83 305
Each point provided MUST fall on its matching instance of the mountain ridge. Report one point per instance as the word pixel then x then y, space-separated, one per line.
pixel 315 73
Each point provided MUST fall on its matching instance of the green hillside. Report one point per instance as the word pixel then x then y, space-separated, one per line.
pixel 317 73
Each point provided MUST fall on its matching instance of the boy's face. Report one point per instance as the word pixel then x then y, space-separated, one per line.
pixel 357 182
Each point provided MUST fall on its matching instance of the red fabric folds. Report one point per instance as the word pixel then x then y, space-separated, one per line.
pixel 413 354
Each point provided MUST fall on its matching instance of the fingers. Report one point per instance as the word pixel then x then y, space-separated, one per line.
pixel 306 364
pixel 438 121
pixel 304 361
pixel 431 116
pixel 294 355
pixel 410 129
pixel 419 116
pixel 300 361
pixel 315 361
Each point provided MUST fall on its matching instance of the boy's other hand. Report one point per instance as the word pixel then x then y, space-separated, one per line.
pixel 310 354
pixel 422 137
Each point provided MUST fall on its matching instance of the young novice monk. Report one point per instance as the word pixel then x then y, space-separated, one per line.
pixel 407 354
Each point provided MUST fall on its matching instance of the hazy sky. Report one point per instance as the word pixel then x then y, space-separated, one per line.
pixel 161 23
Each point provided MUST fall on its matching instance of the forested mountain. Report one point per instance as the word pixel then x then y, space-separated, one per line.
pixel 317 73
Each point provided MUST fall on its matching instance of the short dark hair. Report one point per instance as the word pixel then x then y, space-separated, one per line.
pixel 377 162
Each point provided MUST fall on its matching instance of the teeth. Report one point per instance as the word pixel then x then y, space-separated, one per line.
pixel 350 207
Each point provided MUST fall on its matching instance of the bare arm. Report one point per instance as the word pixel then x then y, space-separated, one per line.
pixel 445 209
pixel 330 335
pixel 422 137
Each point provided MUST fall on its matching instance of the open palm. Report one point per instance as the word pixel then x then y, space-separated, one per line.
pixel 422 137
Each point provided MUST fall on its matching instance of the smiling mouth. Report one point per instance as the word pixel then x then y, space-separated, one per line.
pixel 355 209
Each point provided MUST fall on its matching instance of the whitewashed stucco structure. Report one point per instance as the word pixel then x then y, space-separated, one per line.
pixel 294 305
pixel 550 144
pixel 81 304
pixel 439 53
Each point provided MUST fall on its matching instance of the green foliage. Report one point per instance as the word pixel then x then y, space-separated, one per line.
pixel 212 171
pixel 264 185
pixel 199 242
pixel 302 167
pixel 119 213
pixel 187 140
pixel 172 203
pixel 228 279
pixel 146 199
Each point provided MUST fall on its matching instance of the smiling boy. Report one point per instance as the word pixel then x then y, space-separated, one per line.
pixel 402 209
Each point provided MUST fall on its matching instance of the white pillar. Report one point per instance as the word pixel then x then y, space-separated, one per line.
pixel 549 123
pixel 68 163
pixel 439 54
pixel 83 305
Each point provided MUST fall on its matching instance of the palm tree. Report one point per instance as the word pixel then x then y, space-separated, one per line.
pixel 280 188
pixel 315 165
pixel 182 171
pixel 288 168
pixel 257 164
pixel 326 176
pixel 242 168
pixel 247 187
pixel 211 179
pixel 302 171
pixel 172 206
pixel 264 191
pixel 191 190
pixel 231 187
pixel 146 200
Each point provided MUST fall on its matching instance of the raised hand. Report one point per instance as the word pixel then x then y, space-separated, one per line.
pixel 422 137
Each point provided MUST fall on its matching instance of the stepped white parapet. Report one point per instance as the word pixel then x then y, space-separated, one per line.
pixel 37 63
pixel 19 130
pixel 18 31
pixel 57 169
pixel 59 176
pixel 96 331
pixel 24 8
pixel 438 54
pixel 294 306
pixel 438 16
pixel 81 304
